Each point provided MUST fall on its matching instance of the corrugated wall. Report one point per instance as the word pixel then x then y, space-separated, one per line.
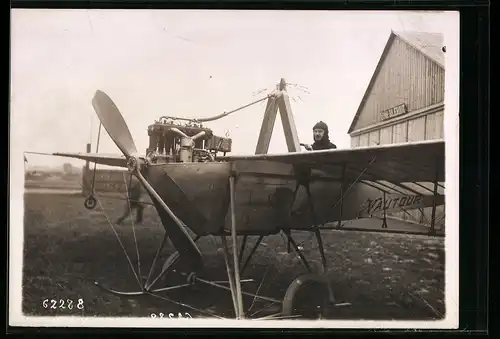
pixel 405 77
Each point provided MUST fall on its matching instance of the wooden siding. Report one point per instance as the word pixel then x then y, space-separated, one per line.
pixel 434 126
pixel 406 77
pixel 416 129
pixel 400 133
pixel 428 127
pixel 386 135
pixel 355 141
pixel 363 139
pixel 374 138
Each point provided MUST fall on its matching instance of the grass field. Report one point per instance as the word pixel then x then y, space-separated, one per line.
pixel 67 247
pixel 54 183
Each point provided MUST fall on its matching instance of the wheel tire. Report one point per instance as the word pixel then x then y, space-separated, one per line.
pixel 309 297
pixel 90 203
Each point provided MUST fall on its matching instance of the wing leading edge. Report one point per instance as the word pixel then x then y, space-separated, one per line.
pixel 408 162
pixel 421 161
pixel 103 159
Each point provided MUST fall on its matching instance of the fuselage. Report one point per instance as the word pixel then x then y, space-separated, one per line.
pixel 267 196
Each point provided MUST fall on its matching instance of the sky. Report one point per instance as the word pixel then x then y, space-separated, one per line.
pixel 190 64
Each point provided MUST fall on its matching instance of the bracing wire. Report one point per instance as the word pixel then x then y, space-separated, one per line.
pixel 96 150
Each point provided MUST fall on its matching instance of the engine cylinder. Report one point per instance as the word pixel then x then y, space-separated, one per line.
pixel 186 151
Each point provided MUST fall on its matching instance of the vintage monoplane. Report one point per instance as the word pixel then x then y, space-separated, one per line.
pixel 195 188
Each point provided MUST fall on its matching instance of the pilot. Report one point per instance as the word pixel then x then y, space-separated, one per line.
pixel 321 138
pixel 133 202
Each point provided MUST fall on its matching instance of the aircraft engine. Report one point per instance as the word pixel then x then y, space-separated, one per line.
pixel 183 140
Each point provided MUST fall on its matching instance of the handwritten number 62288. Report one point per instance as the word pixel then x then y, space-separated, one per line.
pixel 62 304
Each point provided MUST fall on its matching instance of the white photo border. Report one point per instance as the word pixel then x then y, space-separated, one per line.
pixel 451 136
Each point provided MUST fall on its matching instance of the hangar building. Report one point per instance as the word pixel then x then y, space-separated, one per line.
pixel 404 102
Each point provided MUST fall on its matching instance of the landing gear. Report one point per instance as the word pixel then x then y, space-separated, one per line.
pixel 148 285
pixel 384 218
pixel 91 202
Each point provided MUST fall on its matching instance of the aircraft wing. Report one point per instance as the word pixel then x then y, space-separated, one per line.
pixel 421 161
pixel 103 159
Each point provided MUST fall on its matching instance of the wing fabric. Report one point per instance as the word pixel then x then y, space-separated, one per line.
pixel 407 162
pixel 103 159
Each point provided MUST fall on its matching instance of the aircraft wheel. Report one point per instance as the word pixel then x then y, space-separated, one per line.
pixel 90 203
pixel 309 296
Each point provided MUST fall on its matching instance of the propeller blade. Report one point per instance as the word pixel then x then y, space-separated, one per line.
pixel 113 122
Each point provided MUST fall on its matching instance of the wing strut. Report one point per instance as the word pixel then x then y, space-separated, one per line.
pixel 433 214
pixel 90 201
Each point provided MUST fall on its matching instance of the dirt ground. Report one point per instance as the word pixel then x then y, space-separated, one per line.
pixel 67 248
